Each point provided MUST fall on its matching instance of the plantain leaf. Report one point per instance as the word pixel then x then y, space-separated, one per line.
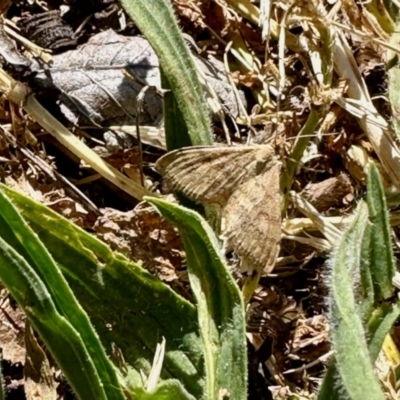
pixel 219 302
pixel 20 236
pixel 64 342
pixel 129 308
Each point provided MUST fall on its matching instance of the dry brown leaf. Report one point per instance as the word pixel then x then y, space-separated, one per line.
pixel 145 237
pixel 12 325
pixel 190 9
pixel 335 191
pixel 39 377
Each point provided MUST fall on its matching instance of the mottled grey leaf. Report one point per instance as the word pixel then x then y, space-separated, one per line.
pixel 93 82
pixel 93 79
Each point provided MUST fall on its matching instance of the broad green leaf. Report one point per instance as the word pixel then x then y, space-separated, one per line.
pixel 64 342
pixel 130 309
pixel 168 389
pixel 176 132
pixel 219 302
pixel 374 283
pixel 20 236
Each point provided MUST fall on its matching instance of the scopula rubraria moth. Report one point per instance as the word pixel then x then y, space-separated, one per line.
pixel 243 182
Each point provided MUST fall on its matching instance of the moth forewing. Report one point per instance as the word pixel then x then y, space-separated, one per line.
pixel 207 154
pixel 209 174
pixel 243 181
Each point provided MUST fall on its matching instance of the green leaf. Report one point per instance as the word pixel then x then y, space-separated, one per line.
pixel 129 308
pixel 380 324
pixel 166 390
pixel 357 377
pixel 382 265
pixel 329 387
pixel 366 286
pixel 219 302
pixel 157 22
pixel 302 141
pixel 376 258
pixel 64 342
pixel 176 133
pixel 18 234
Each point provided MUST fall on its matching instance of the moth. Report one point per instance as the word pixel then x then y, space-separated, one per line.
pixel 243 183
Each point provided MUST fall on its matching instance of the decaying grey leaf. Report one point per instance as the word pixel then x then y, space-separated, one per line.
pixel 93 83
pixel 243 182
pixel 215 76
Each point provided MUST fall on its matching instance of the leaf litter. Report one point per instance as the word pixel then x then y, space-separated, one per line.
pixel 329 61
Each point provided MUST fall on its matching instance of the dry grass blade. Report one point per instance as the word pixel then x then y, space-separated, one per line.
pixel 243 182
pixel 21 94
pixel 43 54
pixel 380 138
pixel 331 233
pixel 151 135
pixel 265 15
